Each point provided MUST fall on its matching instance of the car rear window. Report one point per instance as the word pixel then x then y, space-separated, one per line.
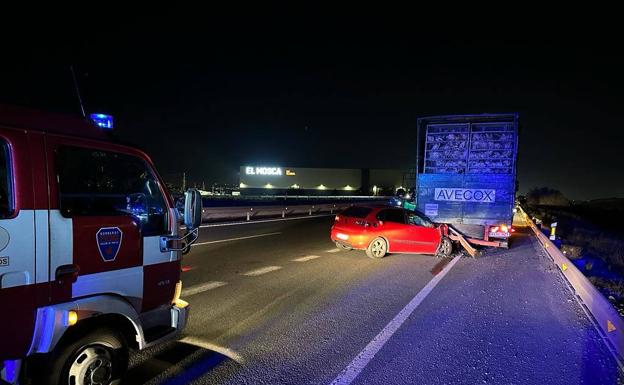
pixel 357 212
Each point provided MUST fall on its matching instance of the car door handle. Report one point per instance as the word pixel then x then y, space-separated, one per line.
pixel 65 272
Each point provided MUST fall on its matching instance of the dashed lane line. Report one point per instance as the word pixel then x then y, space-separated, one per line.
pixel 305 259
pixel 348 375
pixel 235 239
pixel 262 270
pixel 202 288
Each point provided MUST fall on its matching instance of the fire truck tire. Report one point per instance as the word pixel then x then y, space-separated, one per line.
pixel 100 357
pixel 377 248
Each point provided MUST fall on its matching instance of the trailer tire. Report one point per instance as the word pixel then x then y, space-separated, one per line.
pixel 377 249
pixel 101 356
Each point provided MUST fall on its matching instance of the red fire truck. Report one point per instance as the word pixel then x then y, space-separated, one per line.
pixel 90 251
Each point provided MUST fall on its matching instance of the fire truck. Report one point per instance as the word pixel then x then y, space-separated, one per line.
pixel 90 251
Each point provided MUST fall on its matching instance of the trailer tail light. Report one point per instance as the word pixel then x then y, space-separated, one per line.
pixel 494 229
pixel 504 229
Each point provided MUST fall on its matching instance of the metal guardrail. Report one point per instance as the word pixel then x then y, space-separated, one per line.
pixel 213 214
pixel 605 317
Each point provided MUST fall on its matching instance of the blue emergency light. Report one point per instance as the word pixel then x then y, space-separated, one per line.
pixel 102 120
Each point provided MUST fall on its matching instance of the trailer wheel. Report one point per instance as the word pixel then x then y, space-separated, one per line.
pixel 377 248
pixel 445 248
pixel 98 358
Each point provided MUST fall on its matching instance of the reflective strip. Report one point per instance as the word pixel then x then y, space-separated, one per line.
pixel 124 282
pixel 61 242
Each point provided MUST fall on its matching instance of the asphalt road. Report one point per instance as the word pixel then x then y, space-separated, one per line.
pixel 277 303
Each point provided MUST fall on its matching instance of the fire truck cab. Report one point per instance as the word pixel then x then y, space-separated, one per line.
pixel 90 251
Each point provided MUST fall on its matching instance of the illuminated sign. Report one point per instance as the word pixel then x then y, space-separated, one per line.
pixel 290 172
pixel 465 195
pixel 263 170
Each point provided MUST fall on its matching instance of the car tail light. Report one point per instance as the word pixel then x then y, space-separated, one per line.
pixel 337 219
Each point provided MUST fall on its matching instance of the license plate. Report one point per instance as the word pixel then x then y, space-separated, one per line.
pixel 344 237
pixel 499 234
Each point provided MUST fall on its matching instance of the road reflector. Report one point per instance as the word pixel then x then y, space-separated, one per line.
pixel 564 267
pixel 610 326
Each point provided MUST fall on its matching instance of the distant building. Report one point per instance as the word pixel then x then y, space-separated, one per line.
pixel 281 180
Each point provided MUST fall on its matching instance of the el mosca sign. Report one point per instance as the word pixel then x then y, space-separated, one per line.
pixel 465 195
pixel 263 170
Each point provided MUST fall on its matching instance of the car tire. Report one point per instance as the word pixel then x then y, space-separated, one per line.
pixel 99 357
pixel 377 249
pixel 445 249
pixel 343 247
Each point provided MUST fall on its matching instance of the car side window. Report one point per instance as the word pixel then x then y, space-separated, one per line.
pixel 395 216
pixel 95 182
pixel 6 187
pixel 415 219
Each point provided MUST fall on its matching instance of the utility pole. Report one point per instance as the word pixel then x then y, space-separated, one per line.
pixel 183 182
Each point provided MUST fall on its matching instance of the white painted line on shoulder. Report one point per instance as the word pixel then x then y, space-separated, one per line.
pixel 235 239
pixel 333 250
pixel 262 270
pixel 202 288
pixel 358 364
pixel 265 221
pixel 308 258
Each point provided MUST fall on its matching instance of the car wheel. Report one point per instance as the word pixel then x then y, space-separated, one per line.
pixel 445 248
pixel 343 247
pixel 377 248
pixel 98 358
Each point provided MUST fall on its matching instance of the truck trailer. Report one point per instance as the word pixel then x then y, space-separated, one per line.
pixel 466 174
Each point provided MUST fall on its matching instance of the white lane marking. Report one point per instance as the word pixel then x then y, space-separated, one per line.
pixel 265 221
pixel 215 348
pixel 262 270
pixel 235 239
pixel 201 288
pixel 358 364
pixel 308 258
pixel 333 250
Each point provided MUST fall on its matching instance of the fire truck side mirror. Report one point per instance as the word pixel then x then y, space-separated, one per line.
pixel 192 209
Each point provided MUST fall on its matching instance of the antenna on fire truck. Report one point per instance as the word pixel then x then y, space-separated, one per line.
pixel 71 68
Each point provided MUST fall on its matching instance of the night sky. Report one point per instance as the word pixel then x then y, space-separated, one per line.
pixel 332 92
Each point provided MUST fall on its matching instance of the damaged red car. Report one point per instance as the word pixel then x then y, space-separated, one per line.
pixel 382 230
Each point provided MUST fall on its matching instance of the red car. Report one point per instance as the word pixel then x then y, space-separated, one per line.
pixel 385 229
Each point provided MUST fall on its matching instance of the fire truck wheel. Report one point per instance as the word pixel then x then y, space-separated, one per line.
pixel 377 248
pixel 98 358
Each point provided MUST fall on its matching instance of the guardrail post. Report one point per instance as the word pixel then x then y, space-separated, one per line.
pixel 249 213
pixel 284 212
pixel 310 212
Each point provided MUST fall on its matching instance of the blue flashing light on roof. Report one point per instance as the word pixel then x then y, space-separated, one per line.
pixel 102 120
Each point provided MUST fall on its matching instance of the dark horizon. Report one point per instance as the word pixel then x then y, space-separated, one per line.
pixel 250 93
